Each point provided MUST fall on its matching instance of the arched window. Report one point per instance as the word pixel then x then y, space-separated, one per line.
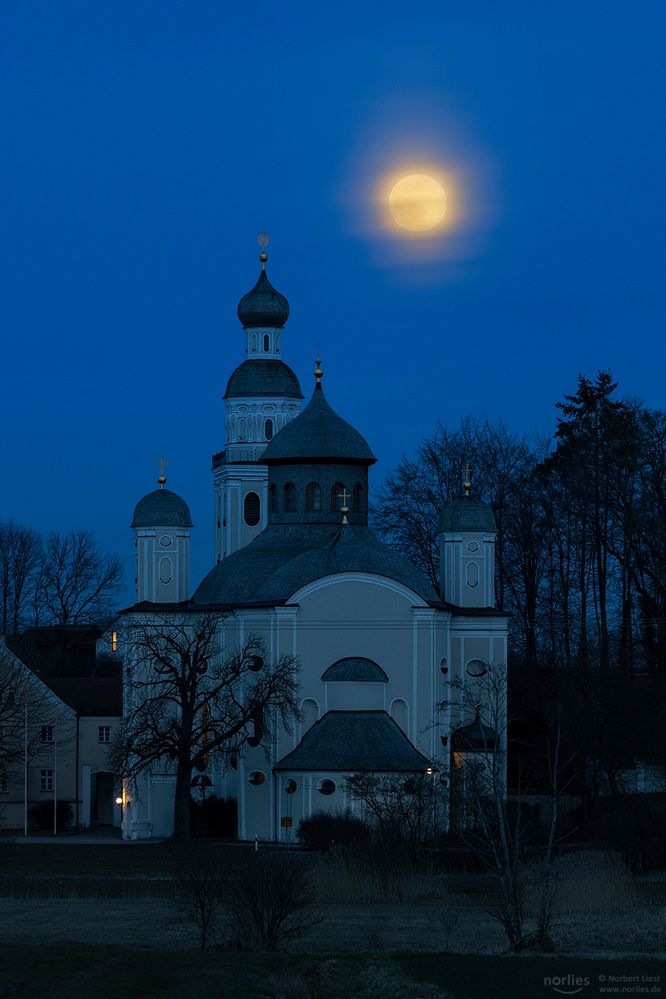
pixel 290 498
pixel 336 502
pixel 309 714
pixel 313 496
pixel 272 498
pixel 357 493
pixel 399 713
pixel 253 343
pixel 267 343
pixel 268 429
pixel 252 509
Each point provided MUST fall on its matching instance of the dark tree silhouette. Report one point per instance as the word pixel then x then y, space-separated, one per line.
pixel 184 700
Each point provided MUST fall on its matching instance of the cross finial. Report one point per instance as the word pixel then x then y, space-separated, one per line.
pixel 344 509
pixel 318 373
pixel 467 485
pixel 161 478
pixel 263 239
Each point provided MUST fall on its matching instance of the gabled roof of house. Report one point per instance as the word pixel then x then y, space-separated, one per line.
pixel 89 695
pixel 354 742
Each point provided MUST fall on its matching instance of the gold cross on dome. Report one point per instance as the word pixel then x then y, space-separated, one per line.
pixel 344 509
pixel 161 478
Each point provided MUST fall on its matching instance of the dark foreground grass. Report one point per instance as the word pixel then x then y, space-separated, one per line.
pixel 465 977
pixel 77 972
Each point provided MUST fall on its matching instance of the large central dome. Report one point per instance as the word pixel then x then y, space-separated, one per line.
pixel 318 434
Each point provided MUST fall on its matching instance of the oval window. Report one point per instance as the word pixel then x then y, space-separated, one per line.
pixel 166 570
pixel 476 667
pixel 291 786
pixel 327 787
pixel 444 666
pixel 257 778
pixel 252 509
pixel 268 429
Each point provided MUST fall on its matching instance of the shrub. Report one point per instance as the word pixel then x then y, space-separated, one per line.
pixel 323 830
pixel 202 895
pixel 41 815
pixel 214 817
pixel 270 895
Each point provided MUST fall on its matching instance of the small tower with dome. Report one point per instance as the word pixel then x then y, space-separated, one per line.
pixel 262 395
pixel 467 533
pixel 162 526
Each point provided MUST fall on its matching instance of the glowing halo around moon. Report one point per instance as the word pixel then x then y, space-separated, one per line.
pixel 417 202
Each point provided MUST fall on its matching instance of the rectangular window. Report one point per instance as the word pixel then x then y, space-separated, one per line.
pixel 4 788
pixel 114 641
pixel 104 733
pixel 46 780
pixel 47 733
pixel 2 733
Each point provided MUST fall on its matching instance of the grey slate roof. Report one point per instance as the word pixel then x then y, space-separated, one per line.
pixel 283 558
pixel 357 669
pixel 317 434
pixel 263 305
pixel 352 742
pixel 475 738
pixel 161 508
pixel 263 377
pixel 467 514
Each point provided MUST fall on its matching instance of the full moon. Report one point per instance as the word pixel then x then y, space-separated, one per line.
pixel 417 202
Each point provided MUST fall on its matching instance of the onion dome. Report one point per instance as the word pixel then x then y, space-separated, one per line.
pixel 467 514
pixel 162 508
pixel 318 434
pixel 475 738
pixel 263 306
pixel 263 377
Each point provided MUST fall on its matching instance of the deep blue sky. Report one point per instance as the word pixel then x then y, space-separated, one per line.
pixel 145 145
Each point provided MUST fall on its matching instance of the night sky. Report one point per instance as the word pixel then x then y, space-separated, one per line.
pixel 144 146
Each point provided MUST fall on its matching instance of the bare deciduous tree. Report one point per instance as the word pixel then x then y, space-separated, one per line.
pixel 184 700
pixel 78 580
pixel 496 824
pixel 20 558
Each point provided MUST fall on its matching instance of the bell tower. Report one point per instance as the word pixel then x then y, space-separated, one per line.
pixel 467 533
pixel 262 395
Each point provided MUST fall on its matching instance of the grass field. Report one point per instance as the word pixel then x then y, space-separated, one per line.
pixel 424 936
pixel 79 972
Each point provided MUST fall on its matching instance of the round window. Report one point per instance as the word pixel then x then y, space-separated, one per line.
pixel 257 778
pixel 476 667
pixel 327 787
pixel 291 786
pixel 165 541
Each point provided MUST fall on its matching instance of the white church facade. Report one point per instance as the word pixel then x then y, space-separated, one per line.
pixel 387 662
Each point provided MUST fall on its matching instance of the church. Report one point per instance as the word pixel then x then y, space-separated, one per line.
pixel 385 658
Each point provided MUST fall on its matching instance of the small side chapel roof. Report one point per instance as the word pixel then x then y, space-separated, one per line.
pixel 354 742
